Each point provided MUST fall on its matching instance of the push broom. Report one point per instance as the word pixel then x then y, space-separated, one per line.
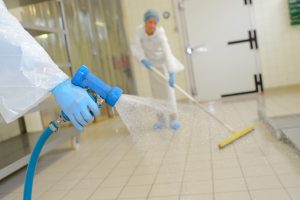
pixel 235 134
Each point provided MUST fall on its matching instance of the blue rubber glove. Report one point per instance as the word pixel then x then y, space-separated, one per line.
pixel 147 64
pixel 76 104
pixel 171 79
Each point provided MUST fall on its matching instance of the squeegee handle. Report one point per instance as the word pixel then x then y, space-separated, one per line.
pixel 182 91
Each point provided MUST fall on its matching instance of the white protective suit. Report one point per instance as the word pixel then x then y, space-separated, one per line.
pixel 27 73
pixel 156 49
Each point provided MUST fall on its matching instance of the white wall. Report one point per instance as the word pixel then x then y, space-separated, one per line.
pixel 9 130
pixel 33 122
pixel 279 43
pixel 133 12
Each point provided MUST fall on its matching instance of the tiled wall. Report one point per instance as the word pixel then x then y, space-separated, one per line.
pixel 133 12
pixel 279 43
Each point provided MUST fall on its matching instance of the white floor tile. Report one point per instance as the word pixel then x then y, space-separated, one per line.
pixel 159 190
pixel 135 191
pixel 78 194
pixel 294 193
pixel 290 180
pixel 230 185
pixel 263 182
pixel 106 193
pixel 233 196
pixel 197 197
pixel 274 194
pixel 197 187
pixel 227 173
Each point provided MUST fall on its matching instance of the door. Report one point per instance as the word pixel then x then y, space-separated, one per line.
pixel 225 29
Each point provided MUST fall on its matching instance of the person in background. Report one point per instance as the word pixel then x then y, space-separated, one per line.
pixel 151 48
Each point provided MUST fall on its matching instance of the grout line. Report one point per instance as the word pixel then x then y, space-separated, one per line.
pixel 132 175
pixel 186 159
pixel 63 177
pixel 235 150
pixel 276 174
pixel 270 165
pixel 164 156
pixel 211 157
pixel 109 152
pixel 112 169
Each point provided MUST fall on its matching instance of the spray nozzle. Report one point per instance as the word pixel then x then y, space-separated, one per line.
pixel 85 79
pixel 96 88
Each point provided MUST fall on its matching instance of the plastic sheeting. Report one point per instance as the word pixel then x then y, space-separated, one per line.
pixel 27 73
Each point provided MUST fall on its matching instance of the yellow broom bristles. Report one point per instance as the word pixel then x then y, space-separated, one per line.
pixel 235 136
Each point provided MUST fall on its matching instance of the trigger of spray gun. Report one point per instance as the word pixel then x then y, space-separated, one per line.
pixel 98 90
pixel 99 100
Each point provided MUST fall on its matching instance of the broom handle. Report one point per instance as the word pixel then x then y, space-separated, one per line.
pixel 193 100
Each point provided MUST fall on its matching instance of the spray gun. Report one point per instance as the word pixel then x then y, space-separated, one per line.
pixel 99 91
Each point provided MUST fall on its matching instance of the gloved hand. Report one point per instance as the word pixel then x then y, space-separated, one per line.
pixel 76 103
pixel 171 79
pixel 147 64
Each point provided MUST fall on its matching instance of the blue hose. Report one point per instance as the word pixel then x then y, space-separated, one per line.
pixel 98 91
pixel 37 150
pixel 33 161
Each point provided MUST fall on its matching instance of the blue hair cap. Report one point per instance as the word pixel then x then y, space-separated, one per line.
pixel 151 14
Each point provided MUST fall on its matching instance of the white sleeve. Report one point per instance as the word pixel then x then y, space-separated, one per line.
pixel 27 73
pixel 136 46
pixel 167 50
pixel 2 3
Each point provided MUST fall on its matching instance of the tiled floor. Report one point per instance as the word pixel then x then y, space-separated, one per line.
pixel 285 119
pixel 166 165
pixel 281 101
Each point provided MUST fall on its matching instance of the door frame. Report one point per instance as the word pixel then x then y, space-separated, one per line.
pixel 183 32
